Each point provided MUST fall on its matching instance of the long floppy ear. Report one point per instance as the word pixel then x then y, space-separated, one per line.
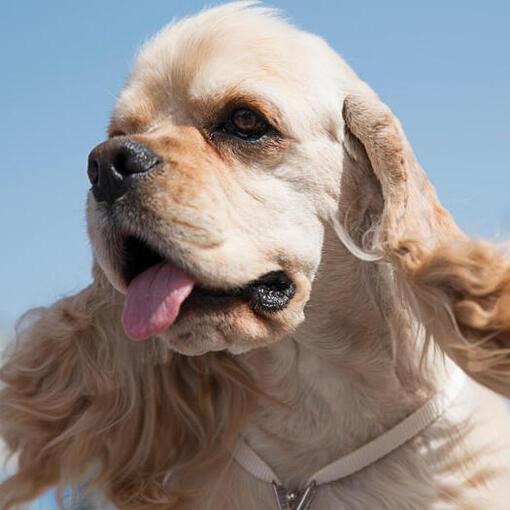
pixel 374 138
pixel 79 399
pixel 458 288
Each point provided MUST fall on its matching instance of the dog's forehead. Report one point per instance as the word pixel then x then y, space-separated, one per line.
pixel 231 51
pixel 200 60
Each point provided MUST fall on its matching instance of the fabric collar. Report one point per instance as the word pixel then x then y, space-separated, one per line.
pixel 357 460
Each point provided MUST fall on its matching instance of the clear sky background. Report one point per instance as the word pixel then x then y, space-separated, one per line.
pixel 442 66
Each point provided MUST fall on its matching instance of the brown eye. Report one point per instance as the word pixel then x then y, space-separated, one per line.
pixel 246 124
pixel 245 120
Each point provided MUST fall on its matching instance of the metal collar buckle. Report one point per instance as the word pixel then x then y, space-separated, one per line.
pixel 294 499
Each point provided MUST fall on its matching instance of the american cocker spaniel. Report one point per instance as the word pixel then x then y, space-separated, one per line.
pixel 282 315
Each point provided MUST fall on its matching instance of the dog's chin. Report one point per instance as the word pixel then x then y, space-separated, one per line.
pixel 193 338
pixel 232 325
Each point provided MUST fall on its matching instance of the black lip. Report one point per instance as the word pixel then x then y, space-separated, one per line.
pixel 270 293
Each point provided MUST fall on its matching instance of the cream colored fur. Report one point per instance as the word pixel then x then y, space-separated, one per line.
pixel 388 292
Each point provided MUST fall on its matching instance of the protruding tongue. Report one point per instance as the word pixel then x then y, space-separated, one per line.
pixel 153 300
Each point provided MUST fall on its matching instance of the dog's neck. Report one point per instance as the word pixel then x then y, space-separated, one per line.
pixel 341 375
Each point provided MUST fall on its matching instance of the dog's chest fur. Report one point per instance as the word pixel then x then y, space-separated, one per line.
pixel 439 469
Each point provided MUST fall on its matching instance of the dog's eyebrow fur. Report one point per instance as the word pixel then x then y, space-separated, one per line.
pixel 230 99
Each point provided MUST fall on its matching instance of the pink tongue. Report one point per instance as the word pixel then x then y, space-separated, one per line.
pixel 153 300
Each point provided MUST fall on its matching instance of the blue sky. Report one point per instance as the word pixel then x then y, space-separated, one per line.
pixel 443 67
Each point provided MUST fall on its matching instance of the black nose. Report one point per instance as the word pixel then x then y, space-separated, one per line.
pixel 114 164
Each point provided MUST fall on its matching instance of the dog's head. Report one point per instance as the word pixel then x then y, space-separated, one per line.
pixel 223 162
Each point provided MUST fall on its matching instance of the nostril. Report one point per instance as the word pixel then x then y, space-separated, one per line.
pixel 93 171
pixel 134 158
pixel 121 163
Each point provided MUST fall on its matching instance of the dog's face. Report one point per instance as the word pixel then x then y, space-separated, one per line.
pixel 223 160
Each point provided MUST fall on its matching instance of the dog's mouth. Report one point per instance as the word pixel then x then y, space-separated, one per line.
pixel 157 288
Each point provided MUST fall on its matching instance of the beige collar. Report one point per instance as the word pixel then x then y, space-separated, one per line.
pixel 369 453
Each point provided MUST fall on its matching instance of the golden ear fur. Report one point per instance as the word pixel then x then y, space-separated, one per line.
pixel 463 292
pixel 79 397
pixel 458 288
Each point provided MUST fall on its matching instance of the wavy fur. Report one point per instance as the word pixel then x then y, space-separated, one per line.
pixel 79 395
pixel 462 295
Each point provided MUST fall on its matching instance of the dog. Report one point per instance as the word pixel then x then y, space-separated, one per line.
pixel 282 314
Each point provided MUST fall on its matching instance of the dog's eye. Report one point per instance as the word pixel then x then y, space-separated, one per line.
pixel 246 124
